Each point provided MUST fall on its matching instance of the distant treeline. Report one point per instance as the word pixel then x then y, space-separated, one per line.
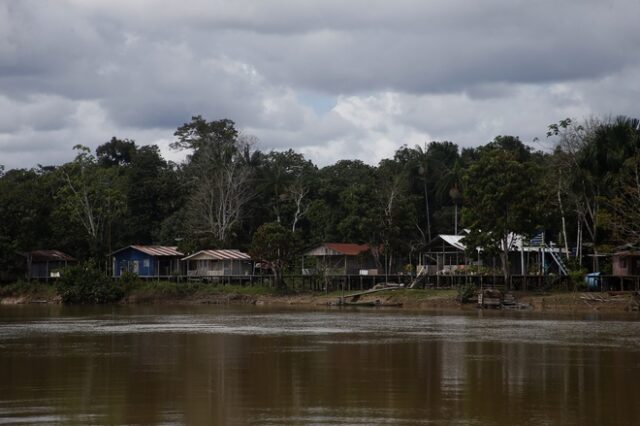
pixel 584 194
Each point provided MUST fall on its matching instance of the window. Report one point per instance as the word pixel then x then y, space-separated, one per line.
pixel 146 263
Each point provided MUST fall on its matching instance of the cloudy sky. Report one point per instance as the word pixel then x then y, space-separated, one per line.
pixel 332 79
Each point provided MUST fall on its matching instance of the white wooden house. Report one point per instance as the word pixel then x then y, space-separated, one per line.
pixel 342 259
pixel 218 263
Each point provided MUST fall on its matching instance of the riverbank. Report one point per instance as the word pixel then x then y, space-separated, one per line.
pixel 414 299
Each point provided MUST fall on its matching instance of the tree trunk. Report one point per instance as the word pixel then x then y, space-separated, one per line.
pixel 278 279
pixel 564 225
pixel 504 257
pixel 426 204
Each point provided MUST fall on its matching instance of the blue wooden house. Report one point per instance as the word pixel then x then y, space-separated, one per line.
pixel 147 261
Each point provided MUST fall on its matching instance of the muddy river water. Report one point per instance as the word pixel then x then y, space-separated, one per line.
pixel 275 366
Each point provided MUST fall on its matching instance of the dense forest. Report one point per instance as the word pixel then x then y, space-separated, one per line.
pixel 584 194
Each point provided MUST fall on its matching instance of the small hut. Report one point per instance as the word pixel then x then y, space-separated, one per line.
pixel 45 264
pixel 343 259
pixel 218 263
pixel 147 261
pixel 626 262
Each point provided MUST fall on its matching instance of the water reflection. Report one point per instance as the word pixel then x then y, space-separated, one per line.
pixel 214 365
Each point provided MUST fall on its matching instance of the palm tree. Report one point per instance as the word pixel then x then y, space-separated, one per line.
pixel 425 164
pixel 450 184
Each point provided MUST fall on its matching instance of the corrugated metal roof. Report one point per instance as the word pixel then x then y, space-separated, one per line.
pixel 454 241
pixel 516 243
pixel 159 250
pixel 336 249
pixel 231 254
pixel 49 255
pixel 154 250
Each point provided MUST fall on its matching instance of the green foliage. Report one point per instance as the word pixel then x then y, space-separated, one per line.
pixel 275 246
pixel 466 293
pixel 25 207
pixel 502 196
pixel 128 281
pixel 116 152
pixel 128 194
pixel 219 174
pixel 91 198
pixel 86 284
pixel 154 290
pixel 28 288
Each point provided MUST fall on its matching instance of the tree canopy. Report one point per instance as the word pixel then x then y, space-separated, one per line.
pixel 228 193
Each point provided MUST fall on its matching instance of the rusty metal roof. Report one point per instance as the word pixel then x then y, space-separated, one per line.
pixel 154 250
pixel 49 256
pixel 332 249
pixel 231 254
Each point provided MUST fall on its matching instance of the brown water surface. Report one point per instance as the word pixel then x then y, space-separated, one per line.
pixel 266 366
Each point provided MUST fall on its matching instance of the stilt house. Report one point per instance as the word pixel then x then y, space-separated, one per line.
pixel 46 263
pixel 216 263
pixel 626 262
pixel 342 259
pixel 147 261
pixel 447 254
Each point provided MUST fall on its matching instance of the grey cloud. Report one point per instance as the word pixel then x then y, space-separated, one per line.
pixel 338 47
pixel 41 113
pixel 461 70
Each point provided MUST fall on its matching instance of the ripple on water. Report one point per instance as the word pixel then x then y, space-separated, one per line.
pixel 368 327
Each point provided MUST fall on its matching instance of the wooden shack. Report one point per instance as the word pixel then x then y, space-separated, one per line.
pixel 147 261
pixel 217 263
pixel 626 263
pixel 45 264
pixel 342 259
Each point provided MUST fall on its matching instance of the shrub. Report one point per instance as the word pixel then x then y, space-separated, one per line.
pixel 576 275
pixel 85 283
pixel 129 281
pixel 466 293
pixel 25 288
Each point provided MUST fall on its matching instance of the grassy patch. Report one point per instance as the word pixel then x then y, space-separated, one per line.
pixel 173 290
pixel 33 289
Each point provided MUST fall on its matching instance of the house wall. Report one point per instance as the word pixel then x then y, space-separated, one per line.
pixel 42 270
pixel 625 265
pixel 335 265
pixel 215 268
pixel 363 261
pixel 135 261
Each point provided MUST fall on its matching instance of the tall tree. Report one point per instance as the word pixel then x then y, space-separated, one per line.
pixel 116 152
pixel 450 186
pixel 344 202
pixel 275 246
pixel 624 216
pixel 25 207
pixel 284 180
pixel 596 151
pixel 425 166
pixel 91 196
pixel 393 216
pixel 220 178
pixel 501 197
